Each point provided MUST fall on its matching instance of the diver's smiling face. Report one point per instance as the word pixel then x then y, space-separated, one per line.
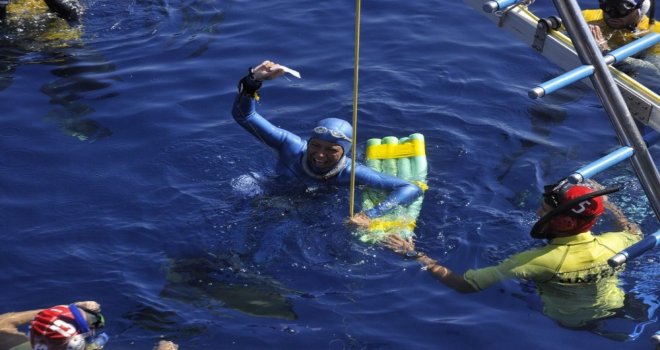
pixel 323 154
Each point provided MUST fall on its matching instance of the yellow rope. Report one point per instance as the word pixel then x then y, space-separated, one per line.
pixel 355 104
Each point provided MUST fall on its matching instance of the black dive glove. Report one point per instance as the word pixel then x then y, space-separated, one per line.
pixel 249 85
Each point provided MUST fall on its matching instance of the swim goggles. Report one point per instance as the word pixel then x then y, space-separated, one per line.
pixel 335 133
pixel 88 329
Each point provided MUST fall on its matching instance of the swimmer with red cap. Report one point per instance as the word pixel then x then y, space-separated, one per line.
pixel 78 326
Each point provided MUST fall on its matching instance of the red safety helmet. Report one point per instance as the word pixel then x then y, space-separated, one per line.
pixel 57 328
pixel 576 209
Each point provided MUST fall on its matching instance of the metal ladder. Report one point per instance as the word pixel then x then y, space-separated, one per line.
pixel 595 66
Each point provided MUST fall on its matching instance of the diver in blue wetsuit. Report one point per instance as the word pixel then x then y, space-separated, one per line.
pixel 322 156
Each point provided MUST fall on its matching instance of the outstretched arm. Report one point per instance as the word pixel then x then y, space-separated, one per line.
pixel 401 192
pixel 244 111
pixel 10 321
pixel 442 273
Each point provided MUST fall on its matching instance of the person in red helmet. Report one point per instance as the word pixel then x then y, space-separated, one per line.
pixel 12 338
pixel 62 327
pixel 572 263
pixel 68 327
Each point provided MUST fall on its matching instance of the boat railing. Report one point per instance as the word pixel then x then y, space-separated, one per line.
pixel 595 67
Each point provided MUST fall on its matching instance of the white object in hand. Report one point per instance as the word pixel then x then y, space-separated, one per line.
pixel 293 72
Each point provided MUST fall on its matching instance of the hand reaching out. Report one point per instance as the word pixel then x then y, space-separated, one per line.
pixel 598 36
pixel 268 70
pixel 444 274
pixel 398 244
pixel 360 220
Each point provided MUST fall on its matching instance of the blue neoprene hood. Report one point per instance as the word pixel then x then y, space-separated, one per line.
pixel 338 125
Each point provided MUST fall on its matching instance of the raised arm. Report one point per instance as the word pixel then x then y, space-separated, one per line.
pixel 440 272
pixel 244 111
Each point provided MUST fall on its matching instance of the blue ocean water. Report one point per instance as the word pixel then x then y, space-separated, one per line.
pixel 124 179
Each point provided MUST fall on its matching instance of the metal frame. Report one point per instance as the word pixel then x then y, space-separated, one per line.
pixel 612 100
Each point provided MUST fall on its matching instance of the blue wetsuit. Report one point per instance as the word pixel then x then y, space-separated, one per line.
pixel 292 149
